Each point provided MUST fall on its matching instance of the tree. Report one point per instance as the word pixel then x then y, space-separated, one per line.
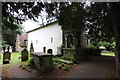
pixel 99 22
pixel 17 12
pixel 14 13
pixel 115 7
pixel 9 37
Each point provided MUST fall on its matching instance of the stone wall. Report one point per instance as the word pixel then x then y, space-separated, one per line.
pixel 68 53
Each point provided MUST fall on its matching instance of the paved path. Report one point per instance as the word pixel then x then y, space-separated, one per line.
pixel 94 67
pixel 17 72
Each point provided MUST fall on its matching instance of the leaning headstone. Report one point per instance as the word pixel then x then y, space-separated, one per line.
pixel 6 57
pixel 31 49
pixel 24 55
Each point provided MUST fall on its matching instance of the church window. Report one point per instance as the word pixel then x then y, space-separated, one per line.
pixel 51 39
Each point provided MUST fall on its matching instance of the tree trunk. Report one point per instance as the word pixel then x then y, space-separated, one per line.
pixel 115 9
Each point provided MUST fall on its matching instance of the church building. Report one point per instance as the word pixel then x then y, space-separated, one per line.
pixel 50 37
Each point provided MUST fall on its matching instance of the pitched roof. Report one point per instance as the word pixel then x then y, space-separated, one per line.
pixel 47 25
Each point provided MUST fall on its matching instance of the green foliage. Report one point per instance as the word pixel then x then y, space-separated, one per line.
pixel 99 22
pixel 28 9
pixel 60 64
pixel 75 18
pixel 113 45
pixel 66 68
pixel 108 54
pixel 30 61
pixel 22 66
pixel 13 14
pixel 92 46
pixel 62 45
pixel 96 17
pixel 108 45
pixel 9 36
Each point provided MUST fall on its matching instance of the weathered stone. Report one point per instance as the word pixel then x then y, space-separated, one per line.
pixel 42 61
pixel 31 49
pixel 24 55
pixel 6 57
pixel 68 53
pixel 66 61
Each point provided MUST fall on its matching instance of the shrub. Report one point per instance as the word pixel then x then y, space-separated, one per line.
pixel 92 46
pixel 65 68
pixel 30 61
pixel 62 45
pixel 22 66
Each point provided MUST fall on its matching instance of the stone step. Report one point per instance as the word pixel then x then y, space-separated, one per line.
pixel 66 61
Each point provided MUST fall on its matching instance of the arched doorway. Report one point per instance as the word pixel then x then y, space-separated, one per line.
pixel 50 51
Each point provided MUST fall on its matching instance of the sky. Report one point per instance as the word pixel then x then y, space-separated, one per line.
pixel 29 25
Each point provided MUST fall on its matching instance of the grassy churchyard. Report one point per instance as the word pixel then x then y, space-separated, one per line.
pixel 108 54
pixel 16 57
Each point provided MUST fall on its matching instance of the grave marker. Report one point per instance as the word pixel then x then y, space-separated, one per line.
pixel 6 57
pixel 24 55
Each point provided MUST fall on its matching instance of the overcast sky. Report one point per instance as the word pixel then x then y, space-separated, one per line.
pixel 29 25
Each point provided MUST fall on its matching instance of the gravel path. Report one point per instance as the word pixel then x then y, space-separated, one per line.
pixel 17 72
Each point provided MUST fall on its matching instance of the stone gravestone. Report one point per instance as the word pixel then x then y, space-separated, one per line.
pixel 31 49
pixel 24 55
pixel 6 57
pixel 10 49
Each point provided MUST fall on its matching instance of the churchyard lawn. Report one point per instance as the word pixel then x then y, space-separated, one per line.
pixel 108 54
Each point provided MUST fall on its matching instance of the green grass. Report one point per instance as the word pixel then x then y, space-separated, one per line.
pixel 15 58
pixel 108 54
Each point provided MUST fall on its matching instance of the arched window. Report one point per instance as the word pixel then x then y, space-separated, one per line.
pixel 44 49
pixel 51 39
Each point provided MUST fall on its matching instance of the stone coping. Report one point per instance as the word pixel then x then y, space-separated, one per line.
pixel 41 54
